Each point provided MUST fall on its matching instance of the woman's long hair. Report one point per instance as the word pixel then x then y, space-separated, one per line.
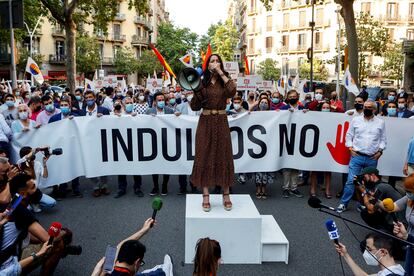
pixel 208 253
pixel 409 187
pixel 207 75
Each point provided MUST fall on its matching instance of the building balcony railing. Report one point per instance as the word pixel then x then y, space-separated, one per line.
pixel 140 20
pixel 118 37
pixel 5 58
pixel 59 32
pixel 254 31
pixel 252 11
pixel 57 59
pixel 410 18
pixel 390 18
pixel 120 17
pixel 269 28
pixel 139 40
pixel 107 60
pixel 269 50
pixel 254 52
pixel 284 49
pixel 148 26
pixel 301 48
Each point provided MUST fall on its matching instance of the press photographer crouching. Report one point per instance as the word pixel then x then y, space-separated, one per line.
pixel 29 165
pixel 372 191
pixel 21 235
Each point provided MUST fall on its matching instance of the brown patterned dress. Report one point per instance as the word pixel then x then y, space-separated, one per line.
pixel 213 164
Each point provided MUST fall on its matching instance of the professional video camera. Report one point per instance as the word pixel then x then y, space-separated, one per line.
pixel 46 151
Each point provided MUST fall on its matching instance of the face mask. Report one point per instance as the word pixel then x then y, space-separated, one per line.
pixel 141 98
pixel 410 195
pixel 90 102
pixel 391 111
pixel 10 103
pixel 334 98
pixel 117 107
pixel 65 110
pixel 236 106
pixel 119 94
pixel 129 108
pixel 23 115
pixel 78 98
pixel 401 106
pixel 370 259
pixel 391 98
pixel 189 98
pixel 293 101
pixel 358 106
pixel 308 100
pixel 50 107
pixel 368 112
pixel 251 97
pixel 228 106
pixel 172 101
pixel 326 110
pixel 182 97
pixel 161 104
pixel 17 94
pixel 318 97
pixel 275 100
pixel 263 106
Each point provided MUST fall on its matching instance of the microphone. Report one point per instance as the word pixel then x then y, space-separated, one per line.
pixel 156 206
pixel 315 202
pixel 54 231
pixel 332 231
pixel 389 207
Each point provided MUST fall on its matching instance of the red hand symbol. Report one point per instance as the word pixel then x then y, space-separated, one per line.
pixel 340 152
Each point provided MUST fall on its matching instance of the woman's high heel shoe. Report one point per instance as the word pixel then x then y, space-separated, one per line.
pixel 206 206
pixel 227 203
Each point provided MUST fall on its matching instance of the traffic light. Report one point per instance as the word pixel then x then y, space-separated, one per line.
pixel 17 12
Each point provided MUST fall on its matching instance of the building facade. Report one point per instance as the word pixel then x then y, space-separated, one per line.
pixel 128 29
pixel 284 33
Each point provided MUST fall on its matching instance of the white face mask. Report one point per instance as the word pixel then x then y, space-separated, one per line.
pixel 23 115
pixel 141 98
pixel 236 106
pixel 189 97
pixel 318 97
pixel 401 106
pixel 371 259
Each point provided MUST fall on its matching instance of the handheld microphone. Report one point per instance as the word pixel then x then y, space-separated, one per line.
pixel 13 204
pixel 54 231
pixel 389 207
pixel 332 231
pixel 156 206
pixel 315 202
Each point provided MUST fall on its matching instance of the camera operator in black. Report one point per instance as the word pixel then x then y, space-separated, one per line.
pixel 372 190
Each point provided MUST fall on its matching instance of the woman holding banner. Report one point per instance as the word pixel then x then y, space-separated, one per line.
pixel 213 163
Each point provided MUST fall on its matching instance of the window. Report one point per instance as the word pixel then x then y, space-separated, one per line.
pixel 251 66
pixel 319 17
pixel 139 33
pixel 254 24
pixel 252 5
pixel 269 44
pixel 411 10
pixel 115 50
pixel 302 19
pixel 251 46
pixel 101 50
pixel 392 10
pixel 285 20
pixel 117 31
pixel 318 38
pixel 285 42
pixel 60 49
pixel 410 34
pixel 301 39
pixel 366 7
pixel 269 23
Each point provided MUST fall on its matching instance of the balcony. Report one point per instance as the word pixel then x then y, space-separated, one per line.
pixel 410 18
pixel 139 40
pixel 252 11
pixel 254 31
pixel 108 61
pixel 58 32
pixel 390 18
pixel 57 59
pixel 5 58
pixel 323 23
pixel 284 49
pixel 301 48
pixel 120 17
pixel 100 37
pixel 118 38
pixel 148 26
pixel 254 52
pixel 140 20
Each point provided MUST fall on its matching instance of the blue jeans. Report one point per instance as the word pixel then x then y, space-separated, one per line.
pixel 356 165
pixel 47 202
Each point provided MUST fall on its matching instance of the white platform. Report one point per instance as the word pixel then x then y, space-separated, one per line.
pixel 245 236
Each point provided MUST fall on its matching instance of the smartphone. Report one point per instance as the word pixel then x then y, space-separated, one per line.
pixel 13 204
pixel 109 259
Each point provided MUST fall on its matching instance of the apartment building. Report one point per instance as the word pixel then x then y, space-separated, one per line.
pixel 128 29
pixel 284 34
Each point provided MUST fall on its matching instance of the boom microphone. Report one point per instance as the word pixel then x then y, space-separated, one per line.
pixel 156 206
pixel 389 207
pixel 332 231
pixel 54 231
pixel 315 202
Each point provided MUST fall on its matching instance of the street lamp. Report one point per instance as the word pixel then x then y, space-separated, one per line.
pixel 310 51
pixel 31 33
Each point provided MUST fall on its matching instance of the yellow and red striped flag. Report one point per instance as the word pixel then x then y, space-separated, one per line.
pixel 162 60
pixel 207 55
pixel 246 66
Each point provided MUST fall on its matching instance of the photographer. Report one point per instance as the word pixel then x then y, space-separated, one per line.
pixel 39 172
pixel 371 191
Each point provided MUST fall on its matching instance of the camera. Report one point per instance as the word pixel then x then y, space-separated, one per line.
pixel 358 180
pixel 46 151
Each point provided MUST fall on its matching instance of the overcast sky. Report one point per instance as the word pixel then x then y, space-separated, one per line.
pixel 197 15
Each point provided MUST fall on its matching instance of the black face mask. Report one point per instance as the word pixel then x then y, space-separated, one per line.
pixel 368 112
pixel 118 107
pixel 358 106
pixel 251 97
pixel 293 101
pixel 38 108
pixel 334 98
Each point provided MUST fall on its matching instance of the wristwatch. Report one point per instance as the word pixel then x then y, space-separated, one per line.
pixel 35 257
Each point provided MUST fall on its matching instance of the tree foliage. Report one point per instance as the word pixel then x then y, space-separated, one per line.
pixel 269 69
pixel 208 37
pixel 393 65
pixel 320 72
pixel 225 40
pixel 88 56
pixel 147 63
pixel 125 61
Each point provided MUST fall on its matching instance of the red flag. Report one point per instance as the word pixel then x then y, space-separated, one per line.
pixel 162 60
pixel 246 66
pixel 207 55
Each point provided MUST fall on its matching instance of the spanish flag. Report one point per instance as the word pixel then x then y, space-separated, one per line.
pixel 162 60
pixel 206 56
pixel 246 66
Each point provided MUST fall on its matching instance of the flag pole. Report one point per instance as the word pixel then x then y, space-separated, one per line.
pixel 12 46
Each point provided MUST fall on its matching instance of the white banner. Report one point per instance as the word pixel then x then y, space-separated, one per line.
pixel 265 85
pixel 262 142
pixel 154 84
pixel 247 83
pixel 232 68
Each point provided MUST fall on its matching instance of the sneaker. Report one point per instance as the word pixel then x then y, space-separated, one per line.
pixel 296 193
pixel 182 192
pixel 120 194
pixel 167 266
pixel 154 192
pixel 77 194
pixel 341 208
pixel 138 193
pixel 285 194
pixel 164 191
pixel 361 208
pixel 36 208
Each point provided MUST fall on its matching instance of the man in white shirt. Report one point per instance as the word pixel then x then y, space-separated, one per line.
pixel 366 141
pixel 358 107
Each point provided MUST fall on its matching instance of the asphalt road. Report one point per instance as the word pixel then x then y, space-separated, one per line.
pixel 97 222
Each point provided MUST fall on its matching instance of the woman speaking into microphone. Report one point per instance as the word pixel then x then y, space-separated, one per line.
pixel 213 163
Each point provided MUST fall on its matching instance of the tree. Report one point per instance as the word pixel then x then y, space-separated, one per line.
pixel 125 61
pixel 208 37
pixel 69 13
pixel 174 42
pixel 320 72
pixel 268 69
pixel 88 56
pixel 147 63
pixel 393 65
pixel 225 40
